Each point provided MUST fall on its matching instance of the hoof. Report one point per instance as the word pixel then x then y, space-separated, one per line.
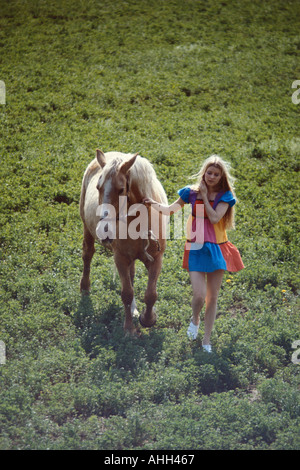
pixel 130 332
pixel 84 287
pixel 134 310
pixel 84 292
pixel 143 324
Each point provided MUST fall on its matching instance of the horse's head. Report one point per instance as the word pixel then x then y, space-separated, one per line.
pixel 112 184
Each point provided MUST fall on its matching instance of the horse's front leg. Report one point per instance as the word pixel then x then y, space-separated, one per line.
pixel 134 310
pixel 127 293
pixel 148 317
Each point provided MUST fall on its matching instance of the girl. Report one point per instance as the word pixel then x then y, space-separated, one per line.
pixel 207 261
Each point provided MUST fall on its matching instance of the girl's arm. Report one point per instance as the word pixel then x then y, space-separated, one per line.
pixel 214 215
pixel 166 210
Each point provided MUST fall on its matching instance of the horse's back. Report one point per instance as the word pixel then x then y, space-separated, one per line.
pixel 89 196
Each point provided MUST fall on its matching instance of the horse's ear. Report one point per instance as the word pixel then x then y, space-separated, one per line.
pixel 101 158
pixel 127 165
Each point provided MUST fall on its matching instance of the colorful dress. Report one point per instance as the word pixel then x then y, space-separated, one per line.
pixel 211 250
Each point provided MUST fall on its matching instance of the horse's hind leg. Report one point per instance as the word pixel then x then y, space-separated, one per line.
pixel 88 250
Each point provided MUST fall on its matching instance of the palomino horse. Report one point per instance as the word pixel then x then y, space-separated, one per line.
pixel 108 177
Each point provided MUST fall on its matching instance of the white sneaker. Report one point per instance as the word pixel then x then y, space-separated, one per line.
pixel 207 348
pixel 192 331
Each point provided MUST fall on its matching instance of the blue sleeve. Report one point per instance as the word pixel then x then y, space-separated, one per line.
pixel 184 193
pixel 229 198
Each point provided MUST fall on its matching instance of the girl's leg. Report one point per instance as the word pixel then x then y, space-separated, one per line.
pixel 214 281
pixel 199 294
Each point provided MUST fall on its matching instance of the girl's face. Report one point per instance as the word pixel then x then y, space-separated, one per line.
pixel 212 177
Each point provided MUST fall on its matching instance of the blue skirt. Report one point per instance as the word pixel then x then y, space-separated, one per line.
pixel 204 258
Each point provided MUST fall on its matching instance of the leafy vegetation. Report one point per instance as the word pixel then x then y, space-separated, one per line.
pixel 176 81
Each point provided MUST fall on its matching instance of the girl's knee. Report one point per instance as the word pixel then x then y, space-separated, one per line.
pixel 199 298
pixel 211 300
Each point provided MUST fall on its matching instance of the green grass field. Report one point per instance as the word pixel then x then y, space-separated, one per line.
pixel 176 81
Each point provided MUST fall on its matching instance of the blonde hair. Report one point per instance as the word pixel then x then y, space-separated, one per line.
pixel 226 183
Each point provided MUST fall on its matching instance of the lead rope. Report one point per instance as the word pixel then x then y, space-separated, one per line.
pixel 147 240
pixel 150 236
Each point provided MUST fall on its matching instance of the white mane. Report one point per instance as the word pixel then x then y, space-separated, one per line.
pixel 141 172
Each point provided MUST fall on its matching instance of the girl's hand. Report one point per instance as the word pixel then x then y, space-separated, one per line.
pixel 148 201
pixel 203 189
